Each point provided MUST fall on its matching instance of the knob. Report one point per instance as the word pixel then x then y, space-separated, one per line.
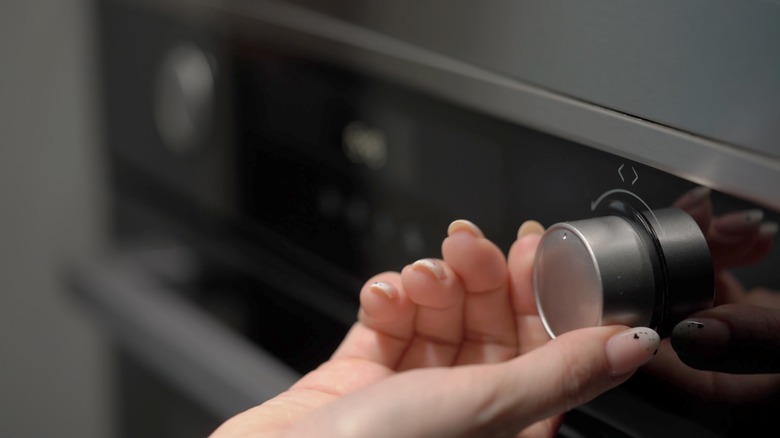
pixel 634 268
pixel 184 98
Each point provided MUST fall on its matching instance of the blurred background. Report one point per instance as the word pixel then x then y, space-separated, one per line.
pixel 191 193
pixel 53 359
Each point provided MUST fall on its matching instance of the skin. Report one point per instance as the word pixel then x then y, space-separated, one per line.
pixel 459 350
pixel 753 316
pixel 464 354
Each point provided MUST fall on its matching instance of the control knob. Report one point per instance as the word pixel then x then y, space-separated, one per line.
pixel 184 98
pixel 634 268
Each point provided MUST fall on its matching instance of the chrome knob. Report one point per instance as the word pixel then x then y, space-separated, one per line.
pixel 184 98
pixel 635 268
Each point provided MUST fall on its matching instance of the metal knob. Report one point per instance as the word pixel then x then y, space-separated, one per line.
pixel 637 269
pixel 184 98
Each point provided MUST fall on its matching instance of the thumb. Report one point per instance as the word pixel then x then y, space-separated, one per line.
pixel 569 371
pixel 490 400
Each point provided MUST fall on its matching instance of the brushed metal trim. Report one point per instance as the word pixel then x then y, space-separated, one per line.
pixel 729 168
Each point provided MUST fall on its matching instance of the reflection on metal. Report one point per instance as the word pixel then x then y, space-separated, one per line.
pixel 595 204
pixel 711 160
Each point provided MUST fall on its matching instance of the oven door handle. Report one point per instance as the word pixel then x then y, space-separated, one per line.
pixel 215 366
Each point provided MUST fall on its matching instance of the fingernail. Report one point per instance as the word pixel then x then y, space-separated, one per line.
pixel 701 337
pixel 631 349
pixel 768 229
pixel 530 227
pixel 740 220
pixel 464 225
pixel 694 197
pixel 383 288
pixel 430 266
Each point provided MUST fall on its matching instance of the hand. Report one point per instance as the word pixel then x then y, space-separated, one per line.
pixel 741 333
pixel 452 346
pixel 740 337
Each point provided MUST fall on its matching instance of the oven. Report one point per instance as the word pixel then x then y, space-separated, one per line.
pixel 267 157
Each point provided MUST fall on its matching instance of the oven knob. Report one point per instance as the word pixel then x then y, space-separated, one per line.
pixel 648 269
pixel 184 98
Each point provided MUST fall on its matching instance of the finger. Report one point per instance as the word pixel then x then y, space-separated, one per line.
pixel 531 332
pixel 733 338
pixel 763 297
pixel 574 368
pixel 521 262
pixel 736 239
pixel 386 323
pixel 490 400
pixel 732 236
pixel 385 306
pixel 438 322
pixel 476 260
pixel 373 345
pixel 529 227
pixel 698 204
pixel 710 386
pixel 728 289
pixel 761 247
pixel 545 428
pixel 489 328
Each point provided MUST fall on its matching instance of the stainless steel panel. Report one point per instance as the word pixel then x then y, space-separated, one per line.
pixel 689 87
pixel 709 67
pixel 749 172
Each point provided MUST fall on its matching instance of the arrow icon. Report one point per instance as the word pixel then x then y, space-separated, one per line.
pixel 622 178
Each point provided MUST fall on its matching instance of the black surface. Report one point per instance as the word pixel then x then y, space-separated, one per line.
pixel 250 203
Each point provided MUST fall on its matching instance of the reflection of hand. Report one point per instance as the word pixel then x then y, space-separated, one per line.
pixel 735 239
pixel 742 337
pixel 741 334
pixel 452 347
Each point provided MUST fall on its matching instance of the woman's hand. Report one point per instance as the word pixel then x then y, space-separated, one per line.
pixel 731 352
pixel 452 347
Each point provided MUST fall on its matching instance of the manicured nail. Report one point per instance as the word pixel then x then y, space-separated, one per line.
pixel 464 225
pixel 768 229
pixel 383 288
pixel 530 227
pixel 694 197
pixel 701 337
pixel 630 349
pixel 430 266
pixel 740 220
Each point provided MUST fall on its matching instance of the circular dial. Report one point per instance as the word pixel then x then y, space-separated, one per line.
pixel 622 269
pixel 184 98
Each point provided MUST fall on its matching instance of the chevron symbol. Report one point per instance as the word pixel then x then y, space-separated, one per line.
pixel 622 178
